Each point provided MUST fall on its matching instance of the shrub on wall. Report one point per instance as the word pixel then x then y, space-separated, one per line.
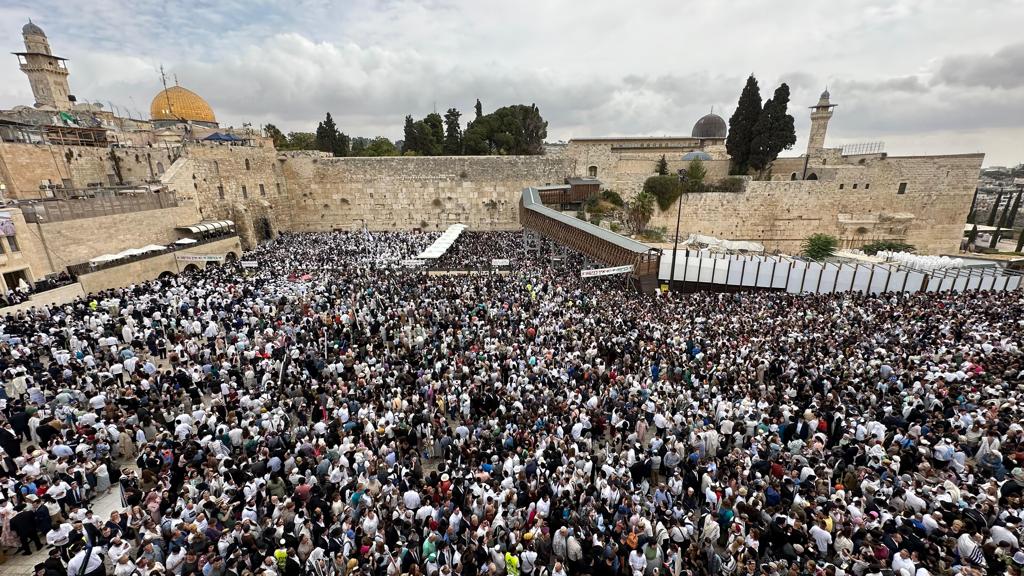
pixel 665 189
pixel 820 246
pixel 730 184
pixel 612 197
pixel 872 248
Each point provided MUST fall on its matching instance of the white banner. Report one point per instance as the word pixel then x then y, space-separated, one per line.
pixel 413 262
pixel 606 271
pixel 501 262
pixel 250 264
pixel 199 257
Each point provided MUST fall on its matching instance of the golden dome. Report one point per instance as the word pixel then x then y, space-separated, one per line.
pixel 177 103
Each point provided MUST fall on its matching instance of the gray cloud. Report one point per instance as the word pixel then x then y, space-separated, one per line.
pixel 602 70
pixel 1003 69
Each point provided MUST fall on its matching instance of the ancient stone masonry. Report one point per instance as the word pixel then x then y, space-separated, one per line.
pixel 395 193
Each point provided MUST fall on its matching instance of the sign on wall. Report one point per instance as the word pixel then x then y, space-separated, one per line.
pixel 606 271
pixel 413 262
pixel 249 264
pixel 500 262
pixel 199 257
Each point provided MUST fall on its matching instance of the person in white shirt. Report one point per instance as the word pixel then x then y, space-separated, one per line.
pixel 822 538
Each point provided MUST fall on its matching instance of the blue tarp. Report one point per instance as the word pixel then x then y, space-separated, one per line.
pixel 220 137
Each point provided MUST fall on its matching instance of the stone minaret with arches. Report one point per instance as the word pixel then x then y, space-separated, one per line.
pixel 47 73
pixel 821 113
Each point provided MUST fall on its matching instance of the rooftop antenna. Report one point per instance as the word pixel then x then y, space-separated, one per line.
pixel 176 79
pixel 163 79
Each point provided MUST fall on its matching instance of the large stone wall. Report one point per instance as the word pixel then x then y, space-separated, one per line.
pixel 245 184
pixel 23 167
pixel 78 241
pixel 401 193
pixel 625 171
pixel 930 213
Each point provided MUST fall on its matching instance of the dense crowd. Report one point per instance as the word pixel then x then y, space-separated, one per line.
pixel 477 250
pixel 332 413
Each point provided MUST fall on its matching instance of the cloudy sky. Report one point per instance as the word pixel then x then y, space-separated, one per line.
pixel 924 76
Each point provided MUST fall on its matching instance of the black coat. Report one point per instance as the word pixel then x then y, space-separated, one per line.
pixel 24 523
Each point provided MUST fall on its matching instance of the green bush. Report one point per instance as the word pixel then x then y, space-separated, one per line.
pixel 730 184
pixel 616 227
pixel 820 246
pixel 665 189
pixel 653 234
pixel 872 248
pixel 612 197
pixel 595 219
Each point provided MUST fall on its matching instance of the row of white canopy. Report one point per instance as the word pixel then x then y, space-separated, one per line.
pixel 443 243
pixel 137 251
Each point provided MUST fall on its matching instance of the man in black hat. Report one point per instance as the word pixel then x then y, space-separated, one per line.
pixel 54 565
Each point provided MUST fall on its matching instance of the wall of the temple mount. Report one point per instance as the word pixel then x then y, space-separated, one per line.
pixel 929 213
pixel 402 193
pixel 77 241
pixel 23 167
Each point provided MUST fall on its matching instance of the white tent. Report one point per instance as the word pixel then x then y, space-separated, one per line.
pixel 186 241
pixel 443 243
pixel 153 248
pixel 105 258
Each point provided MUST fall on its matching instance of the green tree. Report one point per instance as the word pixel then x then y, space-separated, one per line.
pixel 410 143
pixel 434 134
pixel 357 146
pixel 662 167
pixel 380 146
pixel 301 141
pixel 696 172
pixel 479 109
pixel 741 126
pixel 664 189
pixel 773 132
pixel 639 211
pixel 820 246
pixel 517 129
pixel 330 139
pixel 276 136
pixel 452 133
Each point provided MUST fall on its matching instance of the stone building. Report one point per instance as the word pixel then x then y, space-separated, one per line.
pixel 47 73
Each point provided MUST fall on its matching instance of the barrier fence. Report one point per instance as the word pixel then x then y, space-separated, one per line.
pixel 801 276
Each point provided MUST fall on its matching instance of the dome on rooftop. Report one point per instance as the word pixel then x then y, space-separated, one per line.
pixel 31 29
pixel 696 155
pixel 709 126
pixel 177 104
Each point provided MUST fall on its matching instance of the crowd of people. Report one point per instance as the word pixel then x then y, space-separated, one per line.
pixel 332 413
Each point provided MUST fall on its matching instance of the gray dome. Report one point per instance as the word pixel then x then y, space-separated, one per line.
pixel 696 155
pixel 31 29
pixel 710 126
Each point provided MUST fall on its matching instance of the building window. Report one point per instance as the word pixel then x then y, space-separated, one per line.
pixel 159 168
pixel 854 186
pixel 263 191
pixel 592 171
pixel 245 193
pixel 866 186
pixel 278 188
pixel 247 164
pixel 220 191
pixel 812 176
pixel 903 188
pixel 841 186
pixel 216 168
pixel 12 243
pixel 792 176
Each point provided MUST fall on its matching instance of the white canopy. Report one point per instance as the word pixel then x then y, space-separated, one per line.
pixel 105 258
pixel 186 241
pixel 153 248
pixel 443 243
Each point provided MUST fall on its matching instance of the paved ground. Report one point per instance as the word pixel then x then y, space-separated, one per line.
pixel 18 565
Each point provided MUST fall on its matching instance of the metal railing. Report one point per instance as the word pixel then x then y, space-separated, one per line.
pixel 76 208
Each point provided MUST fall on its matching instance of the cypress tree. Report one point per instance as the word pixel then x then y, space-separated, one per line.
pixel 452 133
pixel 773 131
pixel 741 126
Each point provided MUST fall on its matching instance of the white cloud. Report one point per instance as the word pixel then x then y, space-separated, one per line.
pixel 908 71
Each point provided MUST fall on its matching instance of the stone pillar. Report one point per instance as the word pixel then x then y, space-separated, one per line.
pixel 821 113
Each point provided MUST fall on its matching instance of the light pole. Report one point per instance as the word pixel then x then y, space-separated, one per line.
pixel 679 214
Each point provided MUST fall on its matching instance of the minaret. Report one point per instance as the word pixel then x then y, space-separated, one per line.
pixel 47 73
pixel 821 113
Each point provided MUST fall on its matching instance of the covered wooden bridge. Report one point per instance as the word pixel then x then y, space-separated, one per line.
pixel 596 243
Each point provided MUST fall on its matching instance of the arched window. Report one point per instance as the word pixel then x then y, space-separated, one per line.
pixel 812 176
pixel 592 171
pixel 247 164
pixel 792 176
pixel 159 168
pixel 216 168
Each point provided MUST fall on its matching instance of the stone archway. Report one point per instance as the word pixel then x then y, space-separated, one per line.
pixel 812 176
pixel 230 257
pixel 190 269
pixel 166 275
